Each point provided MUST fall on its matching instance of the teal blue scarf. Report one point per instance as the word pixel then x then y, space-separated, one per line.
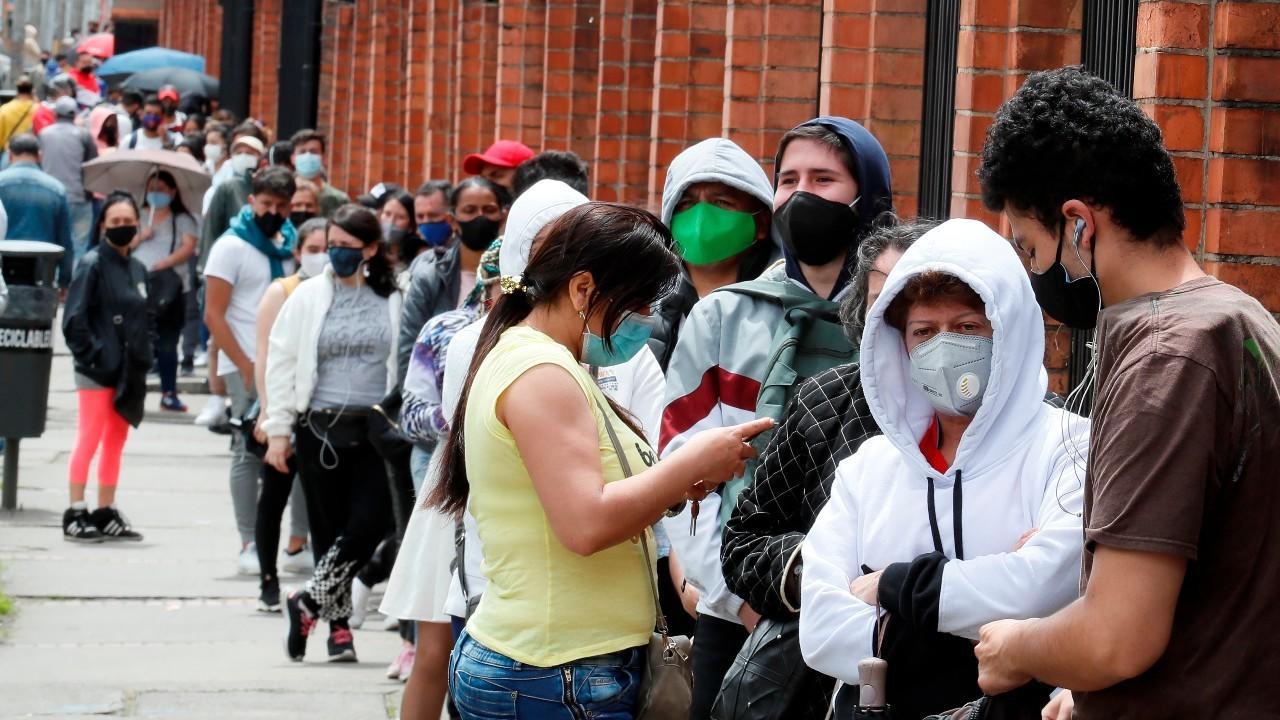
pixel 243 227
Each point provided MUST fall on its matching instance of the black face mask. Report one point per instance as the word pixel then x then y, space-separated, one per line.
pixel 478 233
pixel 297 217
pixel 814 229
pixel 269 223
pixel 122 235
pixel 1074 303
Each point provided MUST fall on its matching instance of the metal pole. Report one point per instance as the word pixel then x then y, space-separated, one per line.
pixel 10 500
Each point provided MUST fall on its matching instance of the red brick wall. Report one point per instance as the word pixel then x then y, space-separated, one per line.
pixel 1209 73
pixel 264 93
pixel 408 87
pixel 195 27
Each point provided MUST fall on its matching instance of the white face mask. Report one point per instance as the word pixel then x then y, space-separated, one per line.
pixel 212 154
pixel 952 371
pixel 244 162
pixel 313 264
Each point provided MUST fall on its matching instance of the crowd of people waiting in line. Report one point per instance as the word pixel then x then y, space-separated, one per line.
pixel 775 417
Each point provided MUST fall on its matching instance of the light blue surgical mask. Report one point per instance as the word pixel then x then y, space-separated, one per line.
pixel 308 165
pixel 628 340
pixel 158 199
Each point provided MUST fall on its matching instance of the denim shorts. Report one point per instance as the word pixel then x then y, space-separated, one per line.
pixel 486 685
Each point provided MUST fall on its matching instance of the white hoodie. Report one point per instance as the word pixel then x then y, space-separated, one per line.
pixel 1021 462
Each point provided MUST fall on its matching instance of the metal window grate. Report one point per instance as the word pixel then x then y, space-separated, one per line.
pixel 942 33
pixel 1107 49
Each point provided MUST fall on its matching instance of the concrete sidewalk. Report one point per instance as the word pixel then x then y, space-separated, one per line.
pixel 162 628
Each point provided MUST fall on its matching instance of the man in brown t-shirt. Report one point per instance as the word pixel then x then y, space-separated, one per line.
pixel 1182 504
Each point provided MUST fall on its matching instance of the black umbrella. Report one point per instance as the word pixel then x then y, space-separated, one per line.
pixel 185 81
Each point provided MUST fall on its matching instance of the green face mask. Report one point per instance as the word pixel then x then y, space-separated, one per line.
pixel 707 234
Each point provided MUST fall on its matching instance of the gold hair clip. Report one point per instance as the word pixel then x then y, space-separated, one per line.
pixel 511 284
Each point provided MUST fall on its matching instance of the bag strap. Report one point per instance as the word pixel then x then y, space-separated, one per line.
pixel 644 543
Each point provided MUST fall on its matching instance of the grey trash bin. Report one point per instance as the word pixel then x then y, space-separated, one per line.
pixel 26 347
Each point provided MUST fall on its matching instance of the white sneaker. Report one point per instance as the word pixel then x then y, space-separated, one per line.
pixel 201 359
pixel 213 410
pixel 391 624
pixel 300 563
pixel 359 603
pixel 248 564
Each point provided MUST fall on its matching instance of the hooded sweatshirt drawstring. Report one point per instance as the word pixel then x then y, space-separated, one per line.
pixel 957 518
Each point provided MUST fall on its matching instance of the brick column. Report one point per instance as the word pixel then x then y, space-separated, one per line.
pixel 873 72
pixel 688 90
pixel 442 21
pixel 413 132
pixel 1001 42
pixel 521 44
pixel 771 72
pixel 475 79
pixel 571 77
pixel 625 100
pixel 264 90
pixel 1242 193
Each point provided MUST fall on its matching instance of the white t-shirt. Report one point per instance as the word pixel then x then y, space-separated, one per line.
pixel 162 243
pixel 249 272
pixel 151 143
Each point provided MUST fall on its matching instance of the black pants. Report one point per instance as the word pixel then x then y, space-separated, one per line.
pixel 272 500
pixel 716 644
pixel 348 504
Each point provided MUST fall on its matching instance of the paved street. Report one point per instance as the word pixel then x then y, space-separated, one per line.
pixel 164 628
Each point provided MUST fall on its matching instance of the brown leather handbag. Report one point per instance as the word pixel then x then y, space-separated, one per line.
pixel 666 681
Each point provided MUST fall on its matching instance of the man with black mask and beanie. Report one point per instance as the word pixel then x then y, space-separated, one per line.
pixel 256 249
pixel 439 283
pixel 745 347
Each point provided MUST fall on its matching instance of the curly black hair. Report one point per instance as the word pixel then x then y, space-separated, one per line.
pixel 1068 134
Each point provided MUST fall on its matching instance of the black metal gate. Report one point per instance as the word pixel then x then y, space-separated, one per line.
pixel 942 32
pixel 1107 49
pixel 237 56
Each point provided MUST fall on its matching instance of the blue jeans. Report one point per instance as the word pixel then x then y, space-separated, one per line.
pixel 81 228
pixel 486 685
pixel 419 460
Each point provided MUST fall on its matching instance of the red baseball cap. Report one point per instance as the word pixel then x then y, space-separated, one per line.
pixel 168 92
pixel 504 153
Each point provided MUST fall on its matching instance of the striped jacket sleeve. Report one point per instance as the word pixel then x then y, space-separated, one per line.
pixel 703 394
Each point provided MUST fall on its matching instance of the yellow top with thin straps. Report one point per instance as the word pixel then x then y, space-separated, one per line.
pixel 544 605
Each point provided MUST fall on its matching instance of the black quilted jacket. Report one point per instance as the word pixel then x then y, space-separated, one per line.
pixel 826 422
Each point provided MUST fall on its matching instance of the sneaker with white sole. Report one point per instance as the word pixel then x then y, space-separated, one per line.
pixel 359 603
pixel 247 564
pixel 113 525
pixel 298 563
pixel 269 595
pixel 201 359
pixel 78 527
pixel 213 410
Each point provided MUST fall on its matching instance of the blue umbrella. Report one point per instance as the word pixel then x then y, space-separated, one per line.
pixel 150 59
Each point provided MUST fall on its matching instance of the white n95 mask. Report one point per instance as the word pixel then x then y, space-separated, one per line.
pixel 952 370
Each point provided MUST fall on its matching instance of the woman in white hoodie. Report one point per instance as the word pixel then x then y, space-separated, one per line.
pixel 332 357
pixel 966 509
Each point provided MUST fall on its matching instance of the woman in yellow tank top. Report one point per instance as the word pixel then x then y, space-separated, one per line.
pixel 559 630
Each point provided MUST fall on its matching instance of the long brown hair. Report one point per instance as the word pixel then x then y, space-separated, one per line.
pixel 628 253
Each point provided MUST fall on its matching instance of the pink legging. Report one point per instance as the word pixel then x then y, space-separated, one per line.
pixel 100 425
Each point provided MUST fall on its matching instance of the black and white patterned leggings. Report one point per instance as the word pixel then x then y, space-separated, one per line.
pixel 349 505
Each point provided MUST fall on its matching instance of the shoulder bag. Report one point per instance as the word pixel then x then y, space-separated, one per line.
pixel 164 287
pixel 666 681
